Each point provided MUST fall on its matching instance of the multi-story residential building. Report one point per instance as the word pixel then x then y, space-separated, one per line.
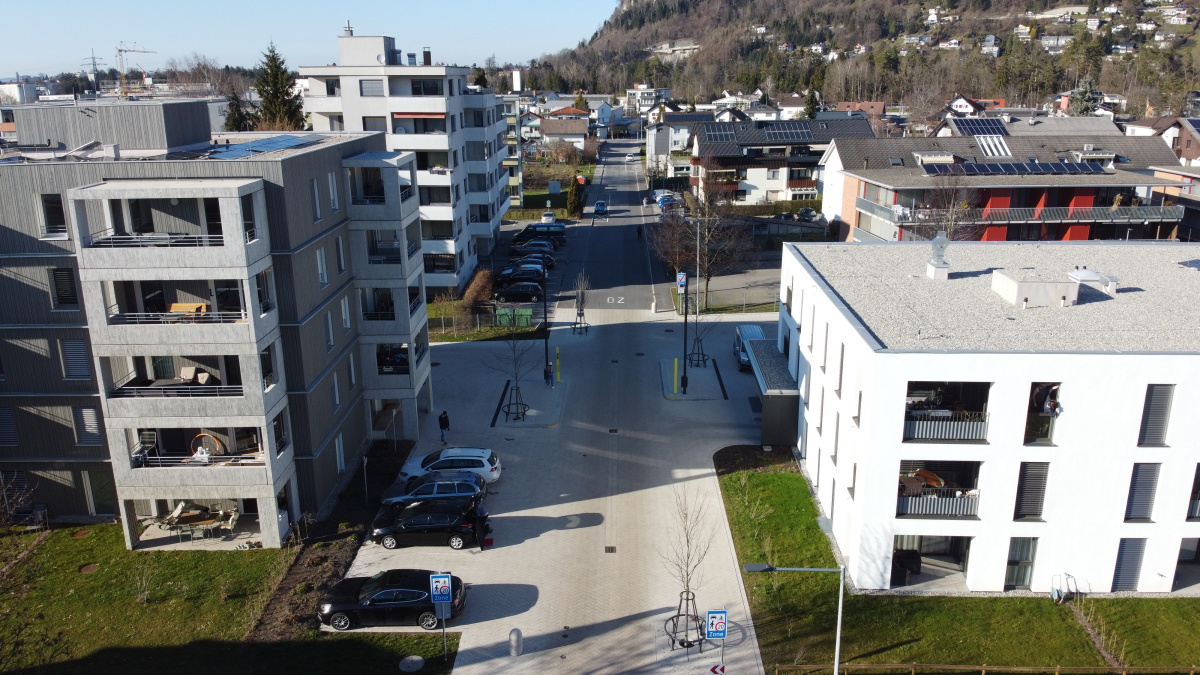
pixel 668 142
pixel 228 324
pixel 994 186
pixel 643 97
pixel 760 162
pixel 1003 417
pixel 458 133
pixel 515 161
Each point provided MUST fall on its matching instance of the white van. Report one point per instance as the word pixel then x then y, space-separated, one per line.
pixel 548 218
pixel 743 333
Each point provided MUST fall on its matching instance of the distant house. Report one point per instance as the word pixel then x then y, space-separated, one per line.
pixel 911 39
pixel 1147 25
pixel 952 43
pixel 1092 24
pixel 989 46
pixel 759 30
pixel 675 50
pixel 1065 19
pixel 1178 20
pixel 738 100
pixel 1124 48
pixel 874 109
pixel 1024 33
pixel 859 49
pixel 569 130
pixel 1112 10
pixel 568 111
pixel 961 106
pixel 818 48
pixel 1120 28
pixel 1055 44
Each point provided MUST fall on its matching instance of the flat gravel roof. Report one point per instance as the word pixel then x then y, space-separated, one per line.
pixel 1156 308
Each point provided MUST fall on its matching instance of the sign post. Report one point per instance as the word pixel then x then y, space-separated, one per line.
pixel 716 627
pixel 439 592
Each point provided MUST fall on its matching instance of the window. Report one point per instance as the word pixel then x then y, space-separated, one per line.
pixel 1155 414
pixel 374 123
pixel 316 200
pixel 340 449
pixel 328 331
pixel 1021 552
pixel 55 216
pixel 1142 486
pixel 263 282
pixel 346 312
pixel 821 410
pixel 337 393
pixel 334 204
pixel 340 253
pixel 837 425
pixel 76 365
pixel 1043 410
pixel 427 88
pixel 8 427
pixel 841 362
pixel 370 87
pixel 1129 564
pixel 812 328
pixel 1031 490
pixel 825 349
pixel 353 373
pixel 279 428
pixel 62 286
pixel 87 426
pixel 322 268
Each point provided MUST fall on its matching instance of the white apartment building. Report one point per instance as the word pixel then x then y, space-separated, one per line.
pixel 1012 418
pixel 458 135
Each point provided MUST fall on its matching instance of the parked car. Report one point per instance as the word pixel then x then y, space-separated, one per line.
pixel 524 291
pixel 807 215
pixel 628 158
pixel 391 597
pixel 430 522
pixel 537 259
pixel 479 460
pixel 510 277
pixel 437 484
pixel 535 246
pixel 548 218
pixel 600 208
pixel 556 233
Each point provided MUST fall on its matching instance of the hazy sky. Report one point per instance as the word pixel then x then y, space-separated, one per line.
pixel 460 32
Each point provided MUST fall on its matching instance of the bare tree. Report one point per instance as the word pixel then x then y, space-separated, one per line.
pixel 688 542
pixel 200 75
pixel 949 208
pixel 516 361
pixel 562 152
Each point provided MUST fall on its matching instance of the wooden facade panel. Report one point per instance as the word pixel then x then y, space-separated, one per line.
pixel 33 361
pixel 47 428
pixel 25 286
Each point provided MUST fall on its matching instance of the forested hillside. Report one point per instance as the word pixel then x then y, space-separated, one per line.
pixel 734 56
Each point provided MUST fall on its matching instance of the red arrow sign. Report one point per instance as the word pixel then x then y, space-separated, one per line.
pixel 717 670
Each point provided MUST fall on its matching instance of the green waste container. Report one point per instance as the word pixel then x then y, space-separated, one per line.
pixel 524 318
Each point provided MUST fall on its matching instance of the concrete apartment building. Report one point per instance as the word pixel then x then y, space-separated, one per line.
pixel 228 324
pixel 1010 418
pixel 458 134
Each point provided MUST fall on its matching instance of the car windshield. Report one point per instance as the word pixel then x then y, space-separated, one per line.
pixel 430 459
pixel 492 459
pixel 371 587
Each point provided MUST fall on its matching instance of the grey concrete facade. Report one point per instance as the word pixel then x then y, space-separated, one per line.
pixel 190 327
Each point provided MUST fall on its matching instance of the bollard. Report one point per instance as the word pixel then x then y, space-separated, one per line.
pixel 514 642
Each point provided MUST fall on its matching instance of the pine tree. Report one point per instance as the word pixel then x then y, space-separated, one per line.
pixel 237 119
pixel 580 101
pixel 1084 101
pixel 575 199
pixel 480 78
pixel 810 104
pixel 281 109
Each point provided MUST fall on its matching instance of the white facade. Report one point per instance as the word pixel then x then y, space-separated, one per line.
pixel 856 388
pixel 458 135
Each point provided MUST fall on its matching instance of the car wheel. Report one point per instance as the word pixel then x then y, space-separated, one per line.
pixel 389 542
pixel 456 541
pixel 340 621
pixel 534 298
pixel 501 298
pixel 427 620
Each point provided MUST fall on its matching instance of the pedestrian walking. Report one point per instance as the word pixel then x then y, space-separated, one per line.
pixel 444 424
pixel 548 373
pixel 479 517
pixel 645 202
pixel 639 232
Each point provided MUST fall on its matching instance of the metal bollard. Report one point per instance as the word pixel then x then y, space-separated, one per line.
pixel 514 642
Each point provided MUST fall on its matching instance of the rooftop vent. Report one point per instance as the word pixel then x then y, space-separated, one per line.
pixel 1027 288
pixel 1082 275
pixel 934 158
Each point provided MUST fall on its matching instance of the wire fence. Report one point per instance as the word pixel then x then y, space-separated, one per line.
pixel 743 300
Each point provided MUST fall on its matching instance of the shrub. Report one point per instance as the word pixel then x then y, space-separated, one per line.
pixel 302 588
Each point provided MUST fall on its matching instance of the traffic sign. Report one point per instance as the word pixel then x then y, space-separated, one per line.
pixel 439 587
pixel 681 281
pixel 717 626
pixel 717 669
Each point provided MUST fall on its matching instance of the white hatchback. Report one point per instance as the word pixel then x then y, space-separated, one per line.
pixel 478 460
pixel 628 158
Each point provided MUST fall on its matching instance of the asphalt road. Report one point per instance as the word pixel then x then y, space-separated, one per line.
pixel 584 511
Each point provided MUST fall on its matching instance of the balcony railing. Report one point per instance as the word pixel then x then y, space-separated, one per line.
pixel 116 316
pixel 367 200
pixel 945 425
pixel 413 306
pixel 251 234
pixel 174 391
pixel 142 456
pixel 389 315
pixel 862 235
pixel 802 183
pixel 945 502
pixel 1052 214
pixel 406 193
pixel 270 380
pixel 413 247
pixel 110 239
pixel 265 305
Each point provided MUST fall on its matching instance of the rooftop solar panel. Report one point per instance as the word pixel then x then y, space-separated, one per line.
pixel 972 126
pixel 249 148
pixel 1195 124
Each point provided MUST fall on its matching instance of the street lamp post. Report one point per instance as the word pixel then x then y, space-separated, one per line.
pixel 841 572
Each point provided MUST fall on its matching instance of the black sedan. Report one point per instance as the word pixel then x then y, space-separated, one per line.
pixel 537 259
pixel 525 291
pixel 390 598
pixel 430 522
pixel 535 246
pixel 512 275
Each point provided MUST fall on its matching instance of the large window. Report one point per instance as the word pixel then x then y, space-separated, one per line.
pixel 322 268
pixel 75 361
pixel 62 285
pixel 1031 490
pixel 427 88
pixel 87 426
pixel 1143 485
pixel 373 123
pixel 370 87
pixel 1156 412
pixel 8 427
pixel 392 359
pixel 1021 552
pixel 1043 410
pixel 54 215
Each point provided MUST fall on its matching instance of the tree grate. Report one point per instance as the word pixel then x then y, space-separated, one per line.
pixel 610 549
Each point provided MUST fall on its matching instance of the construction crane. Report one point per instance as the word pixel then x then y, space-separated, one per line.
pixel 122 50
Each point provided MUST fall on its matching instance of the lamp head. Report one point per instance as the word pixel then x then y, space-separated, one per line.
pixel 758 567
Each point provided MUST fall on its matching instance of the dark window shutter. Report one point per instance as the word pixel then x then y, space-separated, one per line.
pixel 1141 491
pixel 87 426
pixel 8 427
pixel 75 360
pixel 1129 564
pixel 371 87
pixel 1031 489
pixel 65 294
pixel 1155 414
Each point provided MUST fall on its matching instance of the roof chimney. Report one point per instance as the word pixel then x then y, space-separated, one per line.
pixel 937 268
pixel 428 56
pixel 349 32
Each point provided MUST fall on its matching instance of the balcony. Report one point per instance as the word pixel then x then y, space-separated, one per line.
pixel 802 184
pixel 939 502
pixel 142 456
pixel 380 188
pixel 953 412
pixel 900 215
pixel 136 387
pixel 938 489
pixel 114 239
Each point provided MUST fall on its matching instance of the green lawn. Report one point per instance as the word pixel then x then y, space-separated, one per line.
pixel 773 520
pixel 196 607
pixel 1149 631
